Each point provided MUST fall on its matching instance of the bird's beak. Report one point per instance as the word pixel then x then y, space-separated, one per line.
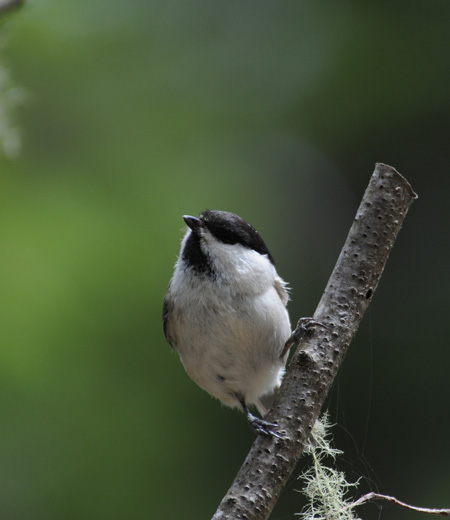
pixel 193 222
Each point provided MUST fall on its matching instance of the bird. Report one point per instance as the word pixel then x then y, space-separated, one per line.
pixel 225 312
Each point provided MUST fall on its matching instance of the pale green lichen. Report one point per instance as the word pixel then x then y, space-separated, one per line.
pixel 325 487
pixel 11 96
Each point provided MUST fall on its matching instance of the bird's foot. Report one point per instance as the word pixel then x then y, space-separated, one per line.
pixel 304 326
pixel 262 427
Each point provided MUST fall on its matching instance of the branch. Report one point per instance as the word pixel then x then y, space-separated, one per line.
pixel 10 5
pixel 270 462
pixel 376 496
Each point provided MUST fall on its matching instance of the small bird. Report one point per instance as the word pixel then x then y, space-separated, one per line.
pixel 225 313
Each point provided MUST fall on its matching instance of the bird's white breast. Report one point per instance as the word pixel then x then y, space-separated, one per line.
pixel 231 328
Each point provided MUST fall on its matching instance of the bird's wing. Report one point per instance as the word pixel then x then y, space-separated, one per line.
pixel 282 290
pixel 167 308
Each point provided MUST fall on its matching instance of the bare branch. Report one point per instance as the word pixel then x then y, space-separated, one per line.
pixel 313 368
pixel 376 496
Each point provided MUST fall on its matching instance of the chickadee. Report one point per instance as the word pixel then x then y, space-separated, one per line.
pixel 225 312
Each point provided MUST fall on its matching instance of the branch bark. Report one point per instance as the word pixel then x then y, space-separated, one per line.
pixel 270 462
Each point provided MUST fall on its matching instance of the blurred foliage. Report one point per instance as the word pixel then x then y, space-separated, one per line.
pixel 139 112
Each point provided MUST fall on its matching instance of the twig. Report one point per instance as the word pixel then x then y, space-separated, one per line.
pixel 376 496
pixel 313 368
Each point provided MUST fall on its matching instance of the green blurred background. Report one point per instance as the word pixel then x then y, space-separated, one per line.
pixel 139 112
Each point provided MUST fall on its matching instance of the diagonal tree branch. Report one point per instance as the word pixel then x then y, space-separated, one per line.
pixel 314 366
